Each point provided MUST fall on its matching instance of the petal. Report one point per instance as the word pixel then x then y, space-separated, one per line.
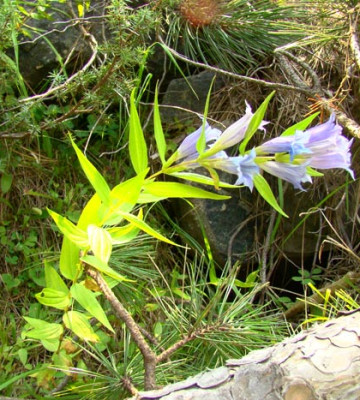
pixel 295 174
pixel 188 146
pixel 235 133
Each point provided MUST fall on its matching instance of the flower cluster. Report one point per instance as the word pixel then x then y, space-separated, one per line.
pixel 291 158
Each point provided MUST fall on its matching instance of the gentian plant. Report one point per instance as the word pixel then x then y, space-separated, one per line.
pixel 115 216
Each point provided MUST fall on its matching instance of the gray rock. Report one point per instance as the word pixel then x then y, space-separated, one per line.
pixel 37 57
pixel 180 97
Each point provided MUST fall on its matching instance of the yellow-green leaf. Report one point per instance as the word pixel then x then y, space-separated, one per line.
pixel 123 234
pixel 137 144
pixel 53 298
pixel 69 259
pixel 78 323
pixel 145 227
pixel 95 178
pixel 198 178
pixel 53 279
pixel 266 193
pixel 158 130
pixel 42 329
pixel 71 231
pixel 175 189
pixel 87 299
pixel 124 197
pixel 100 242
pixel 103 267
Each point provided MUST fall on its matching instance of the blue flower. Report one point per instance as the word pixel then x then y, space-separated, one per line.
pixel 187 149
pixel 242 166
pixel 322 147
pixel 293 145
pixel 235 133
pixel 329 149
pixel 293 173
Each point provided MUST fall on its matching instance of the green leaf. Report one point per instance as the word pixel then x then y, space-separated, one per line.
pixel 146 228
pixel 175 189
pixel 300 126
pixel 193 177
pixel 103 267
pixel 87 299
pixel 201 142
pixel 100 242
pixel 255 123
pixel 53 298
pixel 42 329
pixel 158 130
pixel 71 231
pixel 313 172
pixel 91 213
pixel 78 323
pixel 95 178
pixel 266 193
pixel 123 198
pixel 137 144
pixel 69 259
pixel 53 279
pixel 123 234
pixel 6 182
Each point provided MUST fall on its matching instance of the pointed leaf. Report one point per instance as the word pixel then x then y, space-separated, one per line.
pixel 53 298
pixel 146 228
pixel 95 178
pixel 103 267
pixel 53 279
pixel 266 193
pixel 100 242
pixel 198 178
pixel 255 123
pixel 42 329
pixel 91 214
pixel 201 143
pixel 87 299
pixel 300 126
pixel 158 130
pixel 137 144
pixel 175 189
pixel 124 197
pixel 123 234
pixel 78 323
pixel 69 259
pixel 71 231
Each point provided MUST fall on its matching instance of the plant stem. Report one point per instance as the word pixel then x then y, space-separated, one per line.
pixel 147 353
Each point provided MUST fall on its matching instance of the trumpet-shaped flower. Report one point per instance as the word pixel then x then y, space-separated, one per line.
pixel 235 133
pixel 329 149
pixel 323 146
pixel 187 149
pixel 243 166
pixel 295 174
pixel 293 145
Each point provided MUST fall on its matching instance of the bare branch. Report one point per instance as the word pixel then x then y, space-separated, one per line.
pixel 147 353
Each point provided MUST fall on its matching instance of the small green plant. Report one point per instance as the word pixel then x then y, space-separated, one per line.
pixel 307 277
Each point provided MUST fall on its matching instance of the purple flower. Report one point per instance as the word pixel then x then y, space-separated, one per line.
pixel 242 166
pixel 187 149
pixel 323 147
pixel 329 149
pixel 293 173
pixel 235 133
pixel 293 145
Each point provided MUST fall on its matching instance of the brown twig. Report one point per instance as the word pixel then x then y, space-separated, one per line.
pixel 147 353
